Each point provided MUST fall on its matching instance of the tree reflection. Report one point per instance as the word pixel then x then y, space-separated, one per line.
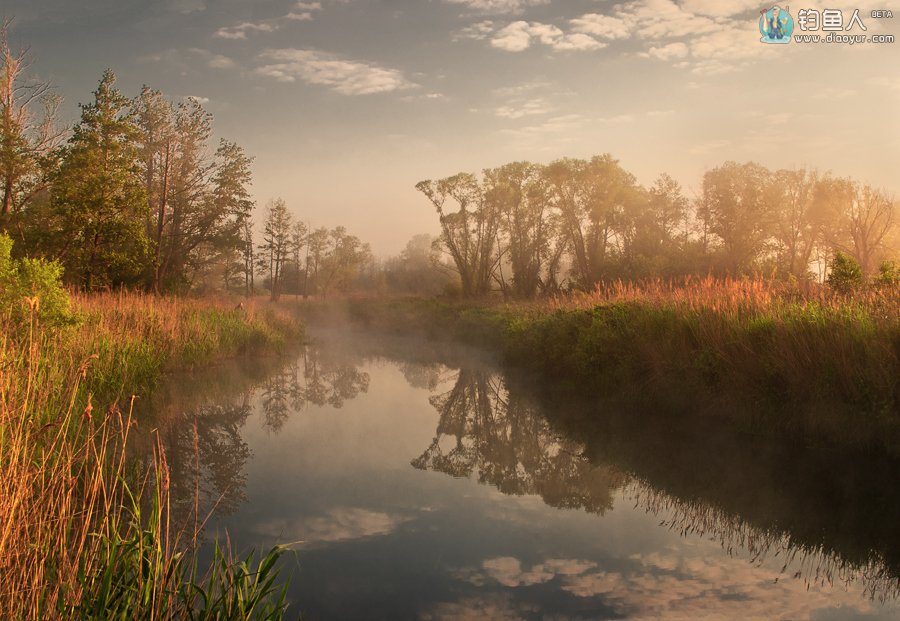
pixel 316 378
pixel 207 456
pixel 697 484
pixel 502 438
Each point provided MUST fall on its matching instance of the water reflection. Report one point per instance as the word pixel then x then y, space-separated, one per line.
pixel 502 438
pixel 316 378
pixel 632 518
pixel 205 447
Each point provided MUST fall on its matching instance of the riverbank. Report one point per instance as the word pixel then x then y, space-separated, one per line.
pixel 85 532
pixel 816 366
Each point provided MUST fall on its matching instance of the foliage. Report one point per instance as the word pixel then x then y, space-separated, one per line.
pixel 31 288
pixel 524 229
pixel 845 275
pixel 888 274
pixel 98 198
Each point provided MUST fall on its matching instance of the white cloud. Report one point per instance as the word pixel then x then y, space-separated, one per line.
pixel 338 524
pixel 531 107
pixel 604 26
pixel 669 51
pixel 516 37
pixel 520 35
pixel 306 16
pixel 348 77
pixel 240 31
pixel 497 7
pixel 577 42
pixel 718 8
pixel 309 6
pixel 479 31
pixel 200 100
pixel 660 19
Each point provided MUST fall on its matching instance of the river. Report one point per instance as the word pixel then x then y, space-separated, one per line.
pixel 420 481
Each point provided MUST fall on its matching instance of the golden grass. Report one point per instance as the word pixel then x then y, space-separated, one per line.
pixel 82 530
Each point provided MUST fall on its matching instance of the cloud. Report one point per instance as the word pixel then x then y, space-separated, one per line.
pixel 348 77
pixel 531 107
pixel 182 60
pixel 604 26
pixel 200 100
pixel 669 51
pixel 717 8
pixel 213 60
pixel 508 570
pixel 339 524
pixel 498 7
pixel 683 583
pixel 520 35
pixel 304 13
pixel 240 31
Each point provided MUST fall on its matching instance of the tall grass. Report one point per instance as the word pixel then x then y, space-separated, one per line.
pixel 85 529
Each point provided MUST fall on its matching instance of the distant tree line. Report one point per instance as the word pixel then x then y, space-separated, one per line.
pixel 529 229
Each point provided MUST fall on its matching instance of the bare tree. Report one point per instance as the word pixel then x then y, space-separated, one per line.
pixel 29 133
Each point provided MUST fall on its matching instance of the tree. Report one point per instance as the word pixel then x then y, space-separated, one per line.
pixel 155 117
pixel 592 198
pixel 276 243
pixel 99 198
pixel 869 217
pixel 191 216
pixel 470 232
pixel 845 275
pixel 248 256
pixel 796 227
pixel 736 205
pixel 518 193
pixel 418 268
pixel 342 260
pixel 29 134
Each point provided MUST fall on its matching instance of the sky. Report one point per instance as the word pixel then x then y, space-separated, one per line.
pixel 347 104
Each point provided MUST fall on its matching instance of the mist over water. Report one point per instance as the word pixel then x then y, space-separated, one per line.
pixel 421 481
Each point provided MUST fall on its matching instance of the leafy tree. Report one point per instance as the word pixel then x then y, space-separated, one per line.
pixel 342 260
pixel 470 232
pixel 797 227
pixel 276 243
pixel 155 118
pixel 736 206
pixel 845 275
pixel 518 193
pixel 99 199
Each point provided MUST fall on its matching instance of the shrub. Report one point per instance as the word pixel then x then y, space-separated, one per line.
pixel 846 274
pixel 888 273
pixel 32 285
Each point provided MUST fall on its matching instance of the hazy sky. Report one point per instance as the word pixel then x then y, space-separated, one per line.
pixel 347 104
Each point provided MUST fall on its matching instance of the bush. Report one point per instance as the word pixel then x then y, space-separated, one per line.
pixel 888 273
pixel 846 274
pixel 32 286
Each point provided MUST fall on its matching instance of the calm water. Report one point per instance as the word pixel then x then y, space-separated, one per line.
pixel 424 484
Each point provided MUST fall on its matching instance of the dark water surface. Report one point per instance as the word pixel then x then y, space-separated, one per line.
pixel 423 483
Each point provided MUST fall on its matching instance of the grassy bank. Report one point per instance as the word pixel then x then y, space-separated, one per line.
pixel 85 532
pixel 772 358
